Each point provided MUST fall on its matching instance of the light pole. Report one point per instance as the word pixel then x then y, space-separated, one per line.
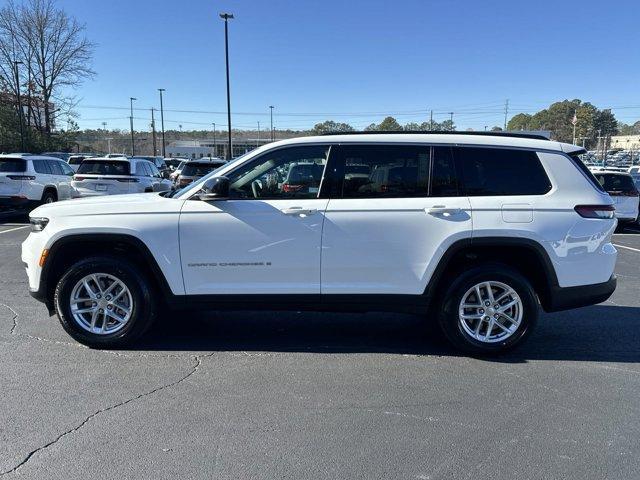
pixel 215 150
pixel 271 136
pixel 162 121
pixel 15 64
pixel 153 130
pixel 258 141
pixel 133 143
pixel 226 17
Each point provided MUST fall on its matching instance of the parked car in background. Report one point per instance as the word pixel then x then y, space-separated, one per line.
pixel 75 161
pixel 114 176
pixel 115 155
pixel 173 162
pixel 26 181
pixel 173 176
pixel 622 189
pixel 196 169
pixel 158 162
pixel 61 155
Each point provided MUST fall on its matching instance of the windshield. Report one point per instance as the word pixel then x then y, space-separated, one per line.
pixel 101 167
pixel 12 165
pixel 616 183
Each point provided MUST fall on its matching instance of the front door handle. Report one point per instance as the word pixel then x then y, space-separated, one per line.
pixel 299 211
pixel 442 210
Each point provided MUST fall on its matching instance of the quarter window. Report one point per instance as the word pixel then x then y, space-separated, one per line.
pixel 41 166
pixel 497 172
pixel 294 172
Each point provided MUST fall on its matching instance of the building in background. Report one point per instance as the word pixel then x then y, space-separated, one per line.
pixel 208 148
pixel 625 142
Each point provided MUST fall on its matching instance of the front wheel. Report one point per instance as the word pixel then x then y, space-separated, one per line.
pixel 488 310
pixel 104 302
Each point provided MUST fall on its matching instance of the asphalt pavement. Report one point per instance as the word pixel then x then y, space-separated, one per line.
pixel 319 396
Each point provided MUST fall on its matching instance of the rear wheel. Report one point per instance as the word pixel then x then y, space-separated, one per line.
pixel 104 302
pixel 49 196
pixel 489 310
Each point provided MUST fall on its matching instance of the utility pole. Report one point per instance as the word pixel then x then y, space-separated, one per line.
pixel 574 120
pixel 215 150
pixel 226 17
pixel 451 126
pixel 258 140
pixel 162 122
pixel 431 121
pixel 153 132
pixel 272 133
pixel 15 64
pixel 506 113
pixel 133 142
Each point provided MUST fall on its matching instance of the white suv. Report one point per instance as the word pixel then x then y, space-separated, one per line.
pixel 29 180
pixel 115 176
pixel 474 231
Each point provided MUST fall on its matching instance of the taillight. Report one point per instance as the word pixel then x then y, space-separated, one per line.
pixel 77 178
pixel 595 211
pixel 128 180
pixel 21 177
pixel 291 188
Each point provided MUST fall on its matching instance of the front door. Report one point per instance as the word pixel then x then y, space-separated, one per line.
pixel 266 238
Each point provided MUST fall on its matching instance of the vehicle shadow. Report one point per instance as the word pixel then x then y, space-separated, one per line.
pixel 600 333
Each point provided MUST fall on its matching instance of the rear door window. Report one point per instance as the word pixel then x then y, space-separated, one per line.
pixel 102 167
pixel 500 172
pixel 444 177
pixel 613 183
pixel 13 165
pixel 384 171
pixel 54 166
pixel 41 166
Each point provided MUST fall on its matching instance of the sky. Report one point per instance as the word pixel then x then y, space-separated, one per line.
pixel 355 61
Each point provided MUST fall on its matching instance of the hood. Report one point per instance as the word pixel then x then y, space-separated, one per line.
pixel 110 204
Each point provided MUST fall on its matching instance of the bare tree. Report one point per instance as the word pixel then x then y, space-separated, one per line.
pixel 55 57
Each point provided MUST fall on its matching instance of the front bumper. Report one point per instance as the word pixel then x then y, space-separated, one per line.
pixel 566 298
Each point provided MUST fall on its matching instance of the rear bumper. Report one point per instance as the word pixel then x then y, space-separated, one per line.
pixel 565 298
pixel 13 201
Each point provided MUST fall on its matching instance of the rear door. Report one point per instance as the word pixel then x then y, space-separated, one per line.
pixel 13 171
pixel 60 179
pixel 106 177
pixel 394 211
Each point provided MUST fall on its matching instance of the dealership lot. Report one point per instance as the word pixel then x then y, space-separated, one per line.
pixel 264 395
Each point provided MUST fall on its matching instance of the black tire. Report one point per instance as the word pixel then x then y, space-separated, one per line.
pixel 143 312
pixel 449 315
pixel 49 196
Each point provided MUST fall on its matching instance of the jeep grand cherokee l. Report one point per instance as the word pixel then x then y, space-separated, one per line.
pixel 477 232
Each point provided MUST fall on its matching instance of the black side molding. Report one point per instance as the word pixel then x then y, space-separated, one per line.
pixel 566 298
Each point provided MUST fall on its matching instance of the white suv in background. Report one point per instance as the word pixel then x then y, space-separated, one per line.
pixel 114 176
pixel 475 232
pixel 28 180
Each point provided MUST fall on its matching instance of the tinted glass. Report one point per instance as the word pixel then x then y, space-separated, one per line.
pixel 385 171
pixel 495 172
pixel 13 165
pixel 142 169
pixel 195 169
pixel 153 170
pixel 97 167
pixel 55 167
pixel 66 169
pixel 444 179
pixel 41 166
pixel 294 172
pixel 75 160
pixel 615 183
pixel 587 173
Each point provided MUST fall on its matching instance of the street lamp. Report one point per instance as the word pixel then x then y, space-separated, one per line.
pixel 162 121
pixel 133 143
pixel 272 136
pixel 15 64
pixel 215 150
pixel 226 17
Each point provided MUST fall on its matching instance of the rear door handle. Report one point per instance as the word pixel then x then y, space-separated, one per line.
pixel 441 210
pixel 299 211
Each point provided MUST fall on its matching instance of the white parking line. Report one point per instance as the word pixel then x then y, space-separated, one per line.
pixel 14 229
pixel 627 248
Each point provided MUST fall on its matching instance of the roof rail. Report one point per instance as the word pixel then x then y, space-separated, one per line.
pixel 443 132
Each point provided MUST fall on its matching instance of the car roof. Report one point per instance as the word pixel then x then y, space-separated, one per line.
pixel 112 159
pixel 452 138
pixel 611 172
pixel 30 157
pixel 205 160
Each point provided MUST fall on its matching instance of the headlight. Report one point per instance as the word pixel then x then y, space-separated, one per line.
pixel 38 223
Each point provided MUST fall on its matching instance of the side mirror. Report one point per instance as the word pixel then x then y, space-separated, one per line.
pixel 216 188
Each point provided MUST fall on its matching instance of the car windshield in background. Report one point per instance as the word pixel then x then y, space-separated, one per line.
pixel 615 183
pixel 101 167
pixel 12 165
pixel 199 169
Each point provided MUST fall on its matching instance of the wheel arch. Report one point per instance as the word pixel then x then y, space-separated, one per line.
pixel 527 256
pixel 69 249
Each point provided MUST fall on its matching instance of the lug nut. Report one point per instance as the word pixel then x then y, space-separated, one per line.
pixel 486 319
pixel 100 311
pixel 486 304
pixel 108 297
pixel 98 296
pixel 496 306
pixel 496 316
pixel 94 304
pixel 109 307
pixel 481 311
